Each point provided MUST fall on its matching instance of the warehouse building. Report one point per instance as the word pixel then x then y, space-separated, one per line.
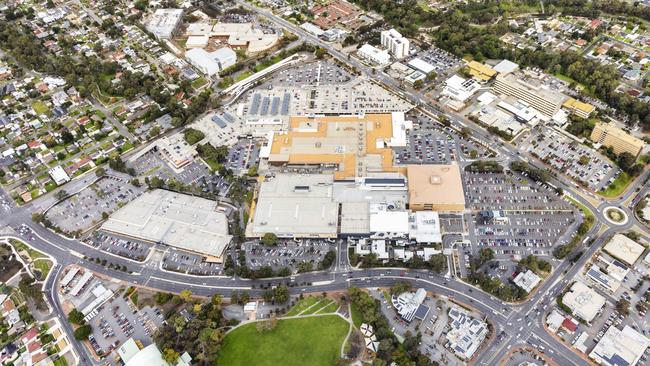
pixel 435 188
pixel 178 220
pixel 607 134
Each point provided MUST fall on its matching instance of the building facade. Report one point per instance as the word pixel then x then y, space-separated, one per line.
pixel 620 141
pixel 397 45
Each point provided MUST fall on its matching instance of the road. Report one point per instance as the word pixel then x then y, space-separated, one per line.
pixel 512 319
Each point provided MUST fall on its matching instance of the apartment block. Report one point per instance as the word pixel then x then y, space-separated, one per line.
pixel 397 45
pixel 620 141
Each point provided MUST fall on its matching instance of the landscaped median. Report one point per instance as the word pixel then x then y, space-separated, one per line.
pixel 312 340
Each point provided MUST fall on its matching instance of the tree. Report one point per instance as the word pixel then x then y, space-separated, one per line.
pixel 320 52
pixel 418 84
pixel 104 215
pixel 270 239
pixel 192 136
pixel 100 172
pixel 60 195
pixel 400 287
pixel 76 317
pixel 281 294
pixel 82 333
pixel 171 356
pixel 438 263
pixel 623 307
pixel 486 255
pixel 186 295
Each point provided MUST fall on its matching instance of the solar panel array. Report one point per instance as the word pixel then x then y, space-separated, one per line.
pixel 285 104
pixel 229 117
pixel 265 106
pixel 255 104
pixel 220 122
pixel 275 105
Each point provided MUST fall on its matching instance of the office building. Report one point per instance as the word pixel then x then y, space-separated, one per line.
pixel 583 301
pixel 530 91
pixel 186 222
pixel 163 23
pixel 409 305
pixel 237 35
pixel 374 55
pixel 624 249
pixel 620 347
pixel 527 280
pixel 210 63
pixel 397 45
pixel 459 88
pixel 580 109
pixel 620 141
pixel 466 333
pixel 435 188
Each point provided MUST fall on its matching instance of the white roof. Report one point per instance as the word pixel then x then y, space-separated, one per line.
pixel 620 347
pixel 383 220
pixel 178 220
pixel 426 227
pixel 505 67
pixel 296 205
pixel 421 65
pixel 59 175
pixel 527 280
pixel 203 60
pixel 583 301
pixel 624 248
pixel 127 350
pixel 312 28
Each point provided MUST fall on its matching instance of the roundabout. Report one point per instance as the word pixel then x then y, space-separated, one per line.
pixel 615 215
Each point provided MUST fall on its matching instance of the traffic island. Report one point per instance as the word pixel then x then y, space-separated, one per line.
pixel 615 215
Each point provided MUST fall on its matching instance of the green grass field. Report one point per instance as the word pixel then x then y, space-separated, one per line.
pixel 618 186
pixel 357 318
pixel 43 265
pixel 302 305
pixel 313 341
pixel 40 108
pixel 33 254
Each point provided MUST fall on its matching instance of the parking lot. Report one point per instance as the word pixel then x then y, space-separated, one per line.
pixel 570 157
pixel 152 165
pixel 442 61
pixel 243 155
pixel 515 217
pixel 128 248
pixel 314 73
pixel 84 210
pixel 287 254
pixel 184 262
pixel 118 320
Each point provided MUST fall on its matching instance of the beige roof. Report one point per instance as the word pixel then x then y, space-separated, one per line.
pixel 435 184
pixel 179 220
pixel 624 248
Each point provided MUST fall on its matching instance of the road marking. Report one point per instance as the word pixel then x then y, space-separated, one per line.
pixel 196 285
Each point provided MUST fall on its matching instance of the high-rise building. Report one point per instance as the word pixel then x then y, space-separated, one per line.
pixel 397 45
pixel 620 141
